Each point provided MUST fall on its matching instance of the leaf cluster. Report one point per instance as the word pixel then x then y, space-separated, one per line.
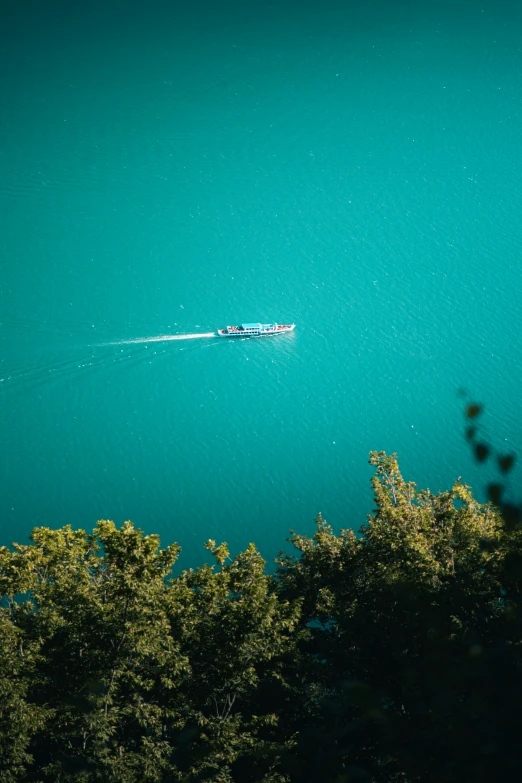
pixel 390 655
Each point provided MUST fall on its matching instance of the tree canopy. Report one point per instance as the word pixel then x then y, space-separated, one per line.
pixel 390 654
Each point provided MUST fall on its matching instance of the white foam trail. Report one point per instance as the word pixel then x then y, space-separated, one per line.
pixel 163 338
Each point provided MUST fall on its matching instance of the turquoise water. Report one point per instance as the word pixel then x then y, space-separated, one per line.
pixel 166 169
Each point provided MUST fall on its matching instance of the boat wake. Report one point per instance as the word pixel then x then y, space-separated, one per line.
pixel 96 358
pixel 163 338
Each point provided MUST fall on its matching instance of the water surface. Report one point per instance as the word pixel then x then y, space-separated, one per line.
pixel 170 169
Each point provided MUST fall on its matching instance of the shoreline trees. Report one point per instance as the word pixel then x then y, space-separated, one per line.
pixel 391 655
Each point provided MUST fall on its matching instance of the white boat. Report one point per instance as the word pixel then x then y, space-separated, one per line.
pixel 255 330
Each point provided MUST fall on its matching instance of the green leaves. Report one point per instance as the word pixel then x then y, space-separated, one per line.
pixel 385 655
pixel 221 552
pixel 110 659
pixel 402 611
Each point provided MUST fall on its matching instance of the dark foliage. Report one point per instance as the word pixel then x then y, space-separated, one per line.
pixel 389 656
pixel 482 449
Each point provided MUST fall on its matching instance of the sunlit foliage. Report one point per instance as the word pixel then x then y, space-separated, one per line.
pixel 392 654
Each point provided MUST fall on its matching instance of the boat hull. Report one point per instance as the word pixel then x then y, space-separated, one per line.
pixel 270 332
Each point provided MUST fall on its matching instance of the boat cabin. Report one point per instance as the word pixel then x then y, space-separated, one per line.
pixel 253 328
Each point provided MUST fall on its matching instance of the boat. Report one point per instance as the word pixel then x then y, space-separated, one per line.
pixel 255 330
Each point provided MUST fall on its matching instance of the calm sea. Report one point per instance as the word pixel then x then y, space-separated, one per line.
pixel 169 168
